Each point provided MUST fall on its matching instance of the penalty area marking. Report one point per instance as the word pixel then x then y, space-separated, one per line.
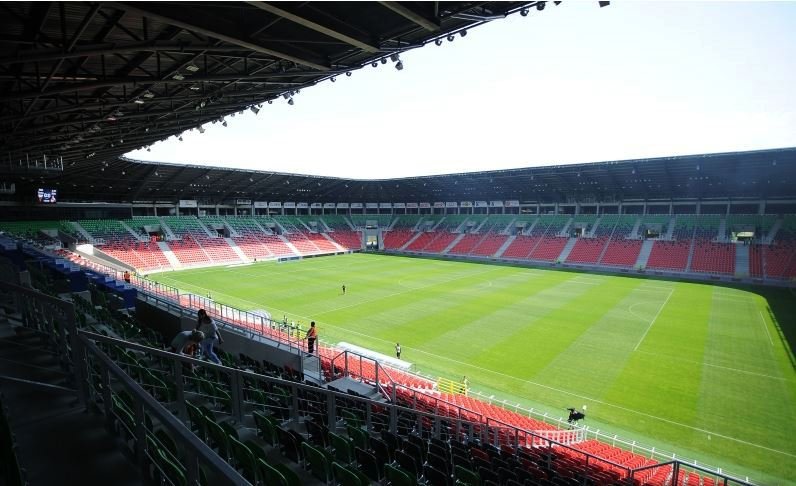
pixel 654 319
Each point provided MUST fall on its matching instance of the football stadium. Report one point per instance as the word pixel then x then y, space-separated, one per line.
pixel 597 322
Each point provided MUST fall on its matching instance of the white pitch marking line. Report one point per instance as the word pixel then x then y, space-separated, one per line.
pixel 698 429
pixel 763 319
pixel 539 384
pixel 654 319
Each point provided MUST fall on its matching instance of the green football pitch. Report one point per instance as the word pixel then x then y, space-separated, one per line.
pixel 702 370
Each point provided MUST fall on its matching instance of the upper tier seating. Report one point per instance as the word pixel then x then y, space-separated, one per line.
pixel 31 230
pixel 406 221
pixel 336 222
pixel 360 220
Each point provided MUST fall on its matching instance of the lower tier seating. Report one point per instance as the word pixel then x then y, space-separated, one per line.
pixel 710 257
pixel 549 249
pixel 586 250
pixel 489 245
pixel 669 255
pixel 350 240
pixel 395 239
pixel 621 253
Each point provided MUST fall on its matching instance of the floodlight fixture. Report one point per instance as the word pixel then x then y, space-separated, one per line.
pixel 540 6
pixel 383 60
pixel 450 38
pixel 192 68
pixel 399 65
pixel 524 12
pixel 332 79
pixel 394 57
pixel 463 33
pixel 255 110
pixel 374 64
pixel 224 123
pixel 138 101
pixel 290 102
pixel 179 138
pixel 201 130
pixel 604 4
pixel 178 77
pixel 348 73
pixel 438 42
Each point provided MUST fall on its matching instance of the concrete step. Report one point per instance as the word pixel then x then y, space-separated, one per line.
pixel 164 247
pixel 644 254
pixel 567 249
pixel 505 245
pixel 237 250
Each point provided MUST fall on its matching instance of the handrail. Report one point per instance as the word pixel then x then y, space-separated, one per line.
pixel 296 344
pixel 196 450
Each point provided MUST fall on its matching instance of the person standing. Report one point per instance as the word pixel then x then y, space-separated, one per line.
pixel 126 276
pixel 312 335
pixel 343 289
pixel 398 350
pixel 210 330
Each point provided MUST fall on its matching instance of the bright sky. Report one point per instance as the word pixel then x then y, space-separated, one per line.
pixel 573 83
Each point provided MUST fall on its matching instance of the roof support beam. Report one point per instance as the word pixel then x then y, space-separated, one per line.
pixel 314 26
pixel 212 27
pixel 411 15
pixel 267 79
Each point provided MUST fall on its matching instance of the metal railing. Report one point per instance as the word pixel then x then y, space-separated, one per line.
pixel 110 378
pixel 253 324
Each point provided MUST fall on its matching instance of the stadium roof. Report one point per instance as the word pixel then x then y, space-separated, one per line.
pixel 769 174
pixel 82 80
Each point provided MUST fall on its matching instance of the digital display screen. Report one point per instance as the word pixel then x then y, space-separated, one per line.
pixel 47 196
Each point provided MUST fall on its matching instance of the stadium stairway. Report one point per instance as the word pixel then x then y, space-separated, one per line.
pixel 644 254
pixel 237 249
pixel 135 234
pixel 453 243
pixel 567 249
pixel 507 243
pixel 634 232
pixel 741 260
pixel 331 240
pixel 55 438
pixel 411 240
pixel 289 244
pixel 164 247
